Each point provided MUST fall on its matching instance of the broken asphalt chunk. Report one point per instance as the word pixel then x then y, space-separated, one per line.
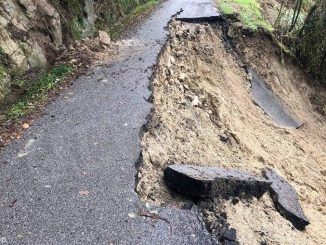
pixel 201 182
pixel 286 200
pixel 270 103
pixel 194 12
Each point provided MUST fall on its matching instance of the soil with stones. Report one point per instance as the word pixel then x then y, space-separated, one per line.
pixel 204 114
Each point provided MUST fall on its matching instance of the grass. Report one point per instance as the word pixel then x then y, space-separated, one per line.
pixel 249 12
pixel 37 92
pixel 117 28
pixel 143 8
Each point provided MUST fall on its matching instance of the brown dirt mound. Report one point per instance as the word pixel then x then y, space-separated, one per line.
pixel 204 114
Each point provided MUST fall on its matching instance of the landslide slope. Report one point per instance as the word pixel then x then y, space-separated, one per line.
pixel 204 114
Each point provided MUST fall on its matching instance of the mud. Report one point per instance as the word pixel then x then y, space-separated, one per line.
pixel 204 114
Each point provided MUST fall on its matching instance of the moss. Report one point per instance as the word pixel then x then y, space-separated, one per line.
pixel 72 13
pixel 76 27
pixel 2 74
pixel 5 64
pixel 4 83
pixel 249 12
pixel 4 59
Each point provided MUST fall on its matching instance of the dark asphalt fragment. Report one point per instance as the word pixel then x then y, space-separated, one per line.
pixel 286 200
pixel 270 103
pixel 12 204
pixel 202 182
pixel 205 11
pixel 230 235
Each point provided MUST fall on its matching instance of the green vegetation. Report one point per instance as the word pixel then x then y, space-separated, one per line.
pixel 118 15
pixel 73 12
pixel 4 61
pixel 37 92
pixel 311 42
pixel 143 8
pixel 249 12
pixel 4 66
pixel 77 22
pixel 2 74
pixel 112 15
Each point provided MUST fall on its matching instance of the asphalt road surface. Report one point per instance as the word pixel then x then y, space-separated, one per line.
pixel 71 178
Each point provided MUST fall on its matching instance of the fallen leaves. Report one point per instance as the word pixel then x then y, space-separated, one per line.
pixel 12 204
pixel 84 193
pixel 132 215
pixel 25 125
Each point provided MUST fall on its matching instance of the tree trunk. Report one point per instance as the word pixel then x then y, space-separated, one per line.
pixel 312 42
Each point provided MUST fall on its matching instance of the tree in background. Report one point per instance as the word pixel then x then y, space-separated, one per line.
pixel 311 42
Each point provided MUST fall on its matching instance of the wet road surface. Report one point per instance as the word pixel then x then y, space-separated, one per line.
pixel 71 178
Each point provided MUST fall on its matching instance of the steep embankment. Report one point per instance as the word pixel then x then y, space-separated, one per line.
pixel 204 114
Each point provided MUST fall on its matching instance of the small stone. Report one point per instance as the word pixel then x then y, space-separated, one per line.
pixel 104 38
pixel 323 172
pixel 195 101
pixel 235 201
pixel 71 47
pixel 132 215
pixel 179 53
pixel 230 32
pixel 187 205
pixel 182 76
pixel 25 126
pixel 104 81
pixel 223 137
pixel 201 182
pixel 286 200
pixel 230 235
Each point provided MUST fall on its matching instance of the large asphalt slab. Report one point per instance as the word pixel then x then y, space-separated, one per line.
pixel 270 103
pixel 71 178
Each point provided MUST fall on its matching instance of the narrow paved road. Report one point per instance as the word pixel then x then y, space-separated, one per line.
pixel 71 178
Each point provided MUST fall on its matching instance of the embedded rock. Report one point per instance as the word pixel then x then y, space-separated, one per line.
pixel 104 38
pixel 28 30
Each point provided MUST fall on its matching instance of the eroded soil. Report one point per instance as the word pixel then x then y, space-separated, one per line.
pixel 204 114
